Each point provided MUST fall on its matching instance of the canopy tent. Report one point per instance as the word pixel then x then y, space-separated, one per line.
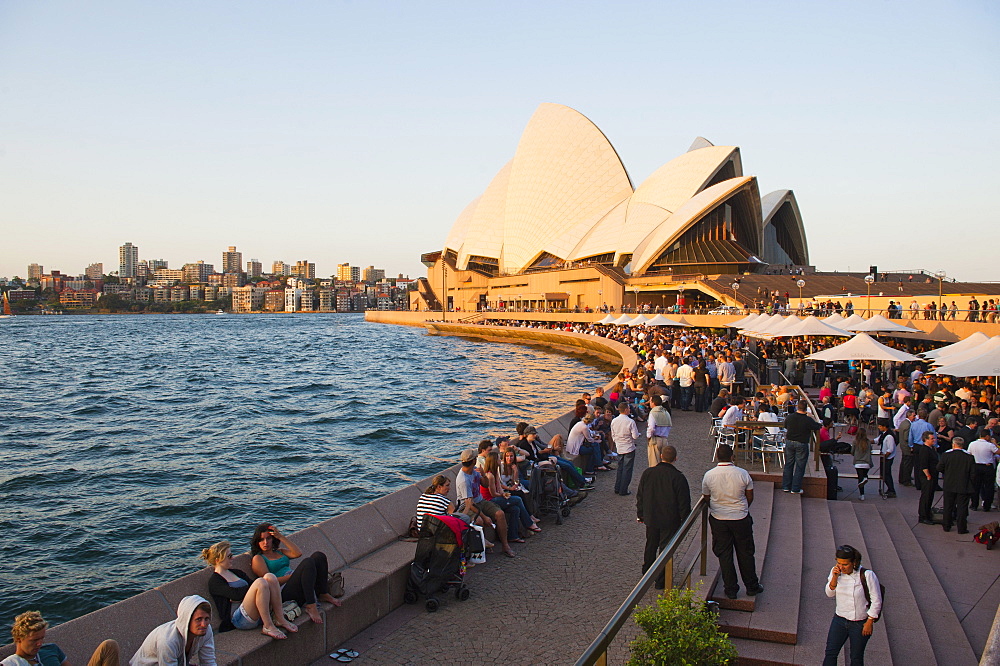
pixel 608 319
pixel 812 326
pixel 740 323
pixel 834 319
pixel 973 340
pixel 660 320
pixel 624 319
pixel 968 353
pixel 777 321
pixel 980 365
pixel 756 322
pixel 781 330
pixel 879 324
pixel 852 321
pixel 862 347
pixel 638 320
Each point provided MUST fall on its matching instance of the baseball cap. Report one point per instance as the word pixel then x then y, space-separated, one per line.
pixel 468 455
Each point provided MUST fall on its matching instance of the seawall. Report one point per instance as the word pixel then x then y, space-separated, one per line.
pixel 364 543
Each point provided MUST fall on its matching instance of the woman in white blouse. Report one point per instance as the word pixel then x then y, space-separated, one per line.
pixel 859 605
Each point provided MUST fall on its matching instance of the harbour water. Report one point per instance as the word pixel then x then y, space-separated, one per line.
pixel 131 442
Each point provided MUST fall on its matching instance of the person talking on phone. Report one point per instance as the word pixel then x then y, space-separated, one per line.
pixel 859 605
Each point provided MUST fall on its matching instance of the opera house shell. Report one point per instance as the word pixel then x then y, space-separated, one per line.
pixel 565 199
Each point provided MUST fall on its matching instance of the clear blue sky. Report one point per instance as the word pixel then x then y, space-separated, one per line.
pixel 357 131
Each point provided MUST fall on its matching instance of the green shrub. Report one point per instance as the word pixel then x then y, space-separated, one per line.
pixel 678 631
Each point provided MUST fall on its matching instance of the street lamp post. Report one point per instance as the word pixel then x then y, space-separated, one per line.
pixel 800 284
pixel 736 287
pixel 868 282
pixel 636 290
pixel 940 275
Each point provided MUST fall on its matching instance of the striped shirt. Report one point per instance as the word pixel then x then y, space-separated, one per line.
pixel 433 504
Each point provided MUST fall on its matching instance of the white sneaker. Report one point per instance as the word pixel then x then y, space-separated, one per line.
pixel 861 497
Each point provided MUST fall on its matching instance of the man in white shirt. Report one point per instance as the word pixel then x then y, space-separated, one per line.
pixel 625 434
pixel 685 377
pixel 984 450
pixel 729 492
pixel 734 413
pixel 659 363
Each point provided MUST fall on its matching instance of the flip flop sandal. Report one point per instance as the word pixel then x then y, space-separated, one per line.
pixel 345 655
pixel 341 658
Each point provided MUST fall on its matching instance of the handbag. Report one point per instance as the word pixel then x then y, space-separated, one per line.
pixel 336 585
pixel 291 610
pixel 477 546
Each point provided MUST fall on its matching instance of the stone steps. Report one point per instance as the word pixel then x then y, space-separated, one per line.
pixel 775 615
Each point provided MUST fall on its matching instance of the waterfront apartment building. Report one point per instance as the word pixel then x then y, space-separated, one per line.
pixel 197 272
pixel 254 268
pixel 348 273
pixel 94 271
pixel 293 299
pixel 78 298
pixel 248 298
pixel 165 277
pixel 326 300
pixel 372 274
pixel 304 269
pixel 128 260
pixel 35 271
pixel 274 300
pixel 280 268
pixel 232 261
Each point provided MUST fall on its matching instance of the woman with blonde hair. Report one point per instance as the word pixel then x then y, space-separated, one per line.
pixel 258 599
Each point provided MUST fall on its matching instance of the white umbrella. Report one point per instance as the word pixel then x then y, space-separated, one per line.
pixel 740 323
pixel 781 330
pixel 757 320
pixel 835 319
pixel 973 340
pixel 660 320
pixel 852 321
pixel 979 365
pixel 774 324
pixel 862 347
pixel 638 320
pixel 608 319
pixel 879 324
pixel 812 326
pixel 624 319
pixel 968 353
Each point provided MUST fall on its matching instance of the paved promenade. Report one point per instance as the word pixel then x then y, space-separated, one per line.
pixel 546 605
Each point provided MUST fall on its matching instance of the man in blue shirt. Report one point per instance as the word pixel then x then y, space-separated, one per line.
pixel 918 427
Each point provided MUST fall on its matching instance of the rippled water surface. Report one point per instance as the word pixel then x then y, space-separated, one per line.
pixel 129 443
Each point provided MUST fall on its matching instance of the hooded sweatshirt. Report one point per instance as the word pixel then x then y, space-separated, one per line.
pixel 164 646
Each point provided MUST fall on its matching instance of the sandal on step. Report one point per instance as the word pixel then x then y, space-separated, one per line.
pixel 274 633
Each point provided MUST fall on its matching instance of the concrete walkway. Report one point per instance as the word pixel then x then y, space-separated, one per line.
pixel 545 606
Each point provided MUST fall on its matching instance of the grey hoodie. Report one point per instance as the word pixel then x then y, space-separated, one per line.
pixel 164 646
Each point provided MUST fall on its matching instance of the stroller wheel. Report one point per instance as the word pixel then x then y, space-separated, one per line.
pixel 432 605
pixel 565 512
pixel 462 593
pixel 409 597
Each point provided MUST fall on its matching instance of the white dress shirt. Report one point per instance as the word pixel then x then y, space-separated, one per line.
pixel 983 450
pixel 732 415
pixel 624 433
pixel 851 602
pixel 726 486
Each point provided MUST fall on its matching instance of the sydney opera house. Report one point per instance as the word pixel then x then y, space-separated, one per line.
pixel 561 225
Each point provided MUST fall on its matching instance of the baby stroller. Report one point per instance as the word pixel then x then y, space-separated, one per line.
pixel 443 549
pixel 547 491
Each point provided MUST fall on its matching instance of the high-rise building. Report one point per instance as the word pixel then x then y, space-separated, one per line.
pixel 232 261
pixel 197 272
pixel 157 264
pixel 348 273
pixel 94 271
pixel 254 268
pixel 372 274
pixel 35 271
pixel 280 268
pixel 128 259
pixel 304 269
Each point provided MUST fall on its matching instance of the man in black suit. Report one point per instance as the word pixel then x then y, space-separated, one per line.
pixel 958 467
pixel 926 459
pixel 662 502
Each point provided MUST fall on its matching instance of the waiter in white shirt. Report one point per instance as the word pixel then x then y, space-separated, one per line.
pixel 985 451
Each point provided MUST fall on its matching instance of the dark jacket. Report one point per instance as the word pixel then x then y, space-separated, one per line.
pixel 957 467
pixel 223 596
pixel 927 458
pixel 663 499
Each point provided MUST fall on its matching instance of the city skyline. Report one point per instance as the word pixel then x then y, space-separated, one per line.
pixel 178 127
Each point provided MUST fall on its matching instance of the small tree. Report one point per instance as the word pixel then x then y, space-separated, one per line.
pixel 678 630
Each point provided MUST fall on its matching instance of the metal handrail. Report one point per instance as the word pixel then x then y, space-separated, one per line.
pixel 597 652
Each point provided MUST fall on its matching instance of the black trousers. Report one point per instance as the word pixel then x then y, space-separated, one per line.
pixel 886 474
pixel 309 578
pixel 956 510
pixel 905 468
pixel 983 479
pixel 926 499
pixel 730 535
pixel 656 540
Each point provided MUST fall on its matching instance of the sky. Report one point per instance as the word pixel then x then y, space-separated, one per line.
pixel 357 131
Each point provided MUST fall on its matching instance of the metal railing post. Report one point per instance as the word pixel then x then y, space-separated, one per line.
pixel 668 574
pixel 704 541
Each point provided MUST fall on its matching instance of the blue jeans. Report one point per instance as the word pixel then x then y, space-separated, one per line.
pixel 592 449
pixel 796 456
pixel 570 469
pixel 513 506
pixel 840 630
pixel 686 397
pixel 623 476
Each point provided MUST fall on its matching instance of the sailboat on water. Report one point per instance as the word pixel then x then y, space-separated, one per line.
pixel 7 314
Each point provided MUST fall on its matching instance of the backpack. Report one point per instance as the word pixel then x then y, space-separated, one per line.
pixel 868 596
